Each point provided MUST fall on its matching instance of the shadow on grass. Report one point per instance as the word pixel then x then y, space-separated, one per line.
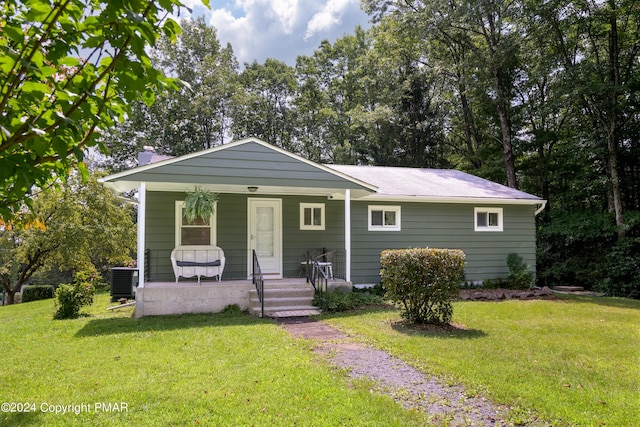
pixel 20 418
pixel 436 331
pixel 127 325
pixel 603 301
pixel 449 330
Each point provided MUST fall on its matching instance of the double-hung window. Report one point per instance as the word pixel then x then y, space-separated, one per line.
pixel 311 216
pixel 200 231
pixel 384 218
pixel 488 219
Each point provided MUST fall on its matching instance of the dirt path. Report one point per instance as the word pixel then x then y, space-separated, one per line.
pixel 447 404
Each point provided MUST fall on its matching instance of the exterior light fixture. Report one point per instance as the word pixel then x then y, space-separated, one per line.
pixel 252 189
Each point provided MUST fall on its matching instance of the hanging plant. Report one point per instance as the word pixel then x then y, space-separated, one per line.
pixel 199 203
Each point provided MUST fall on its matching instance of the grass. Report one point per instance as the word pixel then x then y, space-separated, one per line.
pixel 226 369
pixel 573 361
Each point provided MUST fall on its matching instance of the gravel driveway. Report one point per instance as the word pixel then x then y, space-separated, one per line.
pixel 412 388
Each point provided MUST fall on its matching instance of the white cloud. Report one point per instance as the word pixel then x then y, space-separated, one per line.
pixel 280 29
pixel 330 16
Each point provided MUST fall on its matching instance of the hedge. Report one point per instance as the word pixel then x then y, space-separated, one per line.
pixel 37 292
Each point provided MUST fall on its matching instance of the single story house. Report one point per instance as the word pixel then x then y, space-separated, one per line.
pixel 280 205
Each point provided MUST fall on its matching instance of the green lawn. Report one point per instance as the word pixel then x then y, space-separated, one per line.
pixel 173 371
pixel 568 362
pixel 574 361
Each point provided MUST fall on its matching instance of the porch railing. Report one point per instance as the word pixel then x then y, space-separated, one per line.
pixel 258 281
pixel 317 276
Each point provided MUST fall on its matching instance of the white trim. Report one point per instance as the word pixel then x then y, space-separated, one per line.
pixel 384 208
pixel 213 224
pixel 142 206
pixel 347 234
pixel 277 239
pixel 312 206
pixel 488 228
pixel 541 208
pixel 452 200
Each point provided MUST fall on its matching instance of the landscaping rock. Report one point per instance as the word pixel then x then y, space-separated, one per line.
pixel 503 294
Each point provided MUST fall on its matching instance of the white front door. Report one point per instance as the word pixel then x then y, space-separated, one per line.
pixel 265 235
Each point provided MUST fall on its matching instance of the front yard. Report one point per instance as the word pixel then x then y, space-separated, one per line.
pixel 571 361
pixel 563 362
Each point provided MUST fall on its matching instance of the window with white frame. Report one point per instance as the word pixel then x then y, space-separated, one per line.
pixel 488 219
pixel 384 218
pixel 200 231
pixel 311 216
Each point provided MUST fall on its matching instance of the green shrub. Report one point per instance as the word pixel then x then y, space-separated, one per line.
pixel 424 280
pixel 623 268
pixel 520 276
pixel 71 298
pixel 375 290
pixel 232 310
pixel 336 301
pixel 37 292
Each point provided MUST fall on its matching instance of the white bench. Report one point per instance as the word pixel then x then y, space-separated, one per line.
pixel 191 261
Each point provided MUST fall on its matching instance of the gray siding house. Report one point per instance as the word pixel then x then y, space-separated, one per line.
pixel 281 205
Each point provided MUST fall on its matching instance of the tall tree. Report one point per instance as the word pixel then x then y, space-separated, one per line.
pixel 67 69
pixel 332 78
pixel 263 106
pixel 598 44
pixel 483 30
pixel 195 117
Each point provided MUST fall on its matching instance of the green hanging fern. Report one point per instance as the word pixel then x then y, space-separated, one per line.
pixel 199 203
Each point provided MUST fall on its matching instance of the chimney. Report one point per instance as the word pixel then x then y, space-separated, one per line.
pixel 144 157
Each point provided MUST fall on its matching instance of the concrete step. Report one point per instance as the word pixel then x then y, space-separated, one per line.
pixel 283 293
pixel 284 301
pixel 287 311
pixel 295 313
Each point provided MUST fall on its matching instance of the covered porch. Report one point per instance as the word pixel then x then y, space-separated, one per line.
pixel 271 203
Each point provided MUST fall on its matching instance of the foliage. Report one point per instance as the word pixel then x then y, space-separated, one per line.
pixel 232 310
pixel 194 117
pixel 71 298
pixel 337 301
pixel 425 281
pixel 375 290
pixel 520 276
pixel 262 108
pixel 199 203
pixel 622 263
pixel 67 70
pixel 82 226
pixel 37 292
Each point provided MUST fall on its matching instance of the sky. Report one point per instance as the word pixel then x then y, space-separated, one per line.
pixel 280 29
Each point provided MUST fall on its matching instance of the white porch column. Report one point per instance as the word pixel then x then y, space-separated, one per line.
pixel 142 214
pixel 347 234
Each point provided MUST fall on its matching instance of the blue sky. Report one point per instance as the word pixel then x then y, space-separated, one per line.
pixel 280 29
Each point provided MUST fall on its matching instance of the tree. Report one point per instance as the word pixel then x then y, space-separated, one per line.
pixel 80 226
pixel 263 105
pixel 481 49
pixel 67 70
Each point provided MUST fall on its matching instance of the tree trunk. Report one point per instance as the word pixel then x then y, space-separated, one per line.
pixel 507 146
pixel 470 133
pixel 612 131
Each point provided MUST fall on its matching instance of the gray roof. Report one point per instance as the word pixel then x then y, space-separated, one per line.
pixel 436 184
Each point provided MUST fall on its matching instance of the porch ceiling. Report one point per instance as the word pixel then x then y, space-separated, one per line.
pixel 333 193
